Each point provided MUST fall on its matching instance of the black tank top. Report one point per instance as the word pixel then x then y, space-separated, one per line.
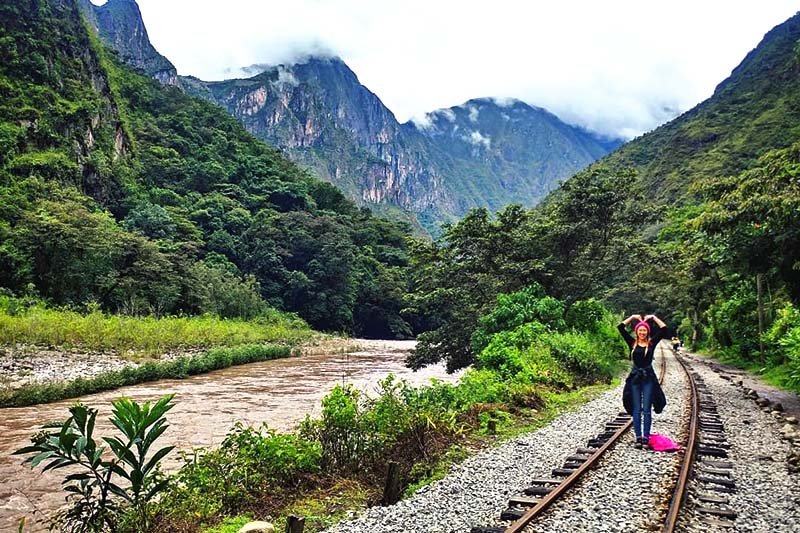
pixel 642 356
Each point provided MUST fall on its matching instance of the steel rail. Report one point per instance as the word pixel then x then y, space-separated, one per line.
pixel 682 485
pixel 522 522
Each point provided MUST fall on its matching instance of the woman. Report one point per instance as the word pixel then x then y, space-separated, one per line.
pixel 642 390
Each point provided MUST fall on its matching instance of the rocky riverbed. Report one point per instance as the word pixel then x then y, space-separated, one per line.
pixel 26 364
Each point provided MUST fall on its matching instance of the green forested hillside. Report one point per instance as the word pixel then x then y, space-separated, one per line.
pixel 119 192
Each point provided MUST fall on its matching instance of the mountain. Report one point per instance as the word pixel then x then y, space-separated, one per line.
pixel 508 151
pixel 320 115
pixel 120 193
pixel 119 23
pixel 756 109
pixel 480 154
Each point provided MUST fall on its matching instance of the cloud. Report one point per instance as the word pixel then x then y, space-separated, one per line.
pixel 427 121
pixel 296 56
pixel 504 101
pixel 423 122
pixel 609 67
pixel 477 139
pixel 449 114
pixel 286 77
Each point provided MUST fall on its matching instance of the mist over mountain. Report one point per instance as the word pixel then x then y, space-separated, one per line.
pixel 320 115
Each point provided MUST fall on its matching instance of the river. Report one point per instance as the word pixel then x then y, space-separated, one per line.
pixel 280 392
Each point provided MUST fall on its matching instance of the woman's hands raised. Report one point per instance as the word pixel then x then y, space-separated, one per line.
pixel 655 319
pixel 633 317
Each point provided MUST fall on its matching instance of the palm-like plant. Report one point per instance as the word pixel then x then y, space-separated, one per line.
pixel 98 493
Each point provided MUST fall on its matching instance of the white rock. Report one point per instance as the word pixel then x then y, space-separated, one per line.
pixel 257 527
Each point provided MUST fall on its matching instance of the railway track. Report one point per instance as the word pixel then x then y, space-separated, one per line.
pixel 706 477
pixel 703 482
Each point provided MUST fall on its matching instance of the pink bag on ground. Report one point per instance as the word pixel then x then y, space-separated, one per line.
pixel 662 443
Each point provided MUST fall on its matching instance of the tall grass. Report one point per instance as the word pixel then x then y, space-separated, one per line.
pixel 39 325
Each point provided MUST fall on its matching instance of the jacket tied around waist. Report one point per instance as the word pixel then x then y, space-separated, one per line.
pixel 639 375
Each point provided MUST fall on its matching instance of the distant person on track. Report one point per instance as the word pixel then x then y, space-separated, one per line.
pixel 642 391
pixel 676 343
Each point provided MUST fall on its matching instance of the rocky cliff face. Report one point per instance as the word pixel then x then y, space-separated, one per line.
pixel 119 23
pixel 320 115
pixel 480 154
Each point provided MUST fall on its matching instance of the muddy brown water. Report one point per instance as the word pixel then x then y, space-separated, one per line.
pixel 280 393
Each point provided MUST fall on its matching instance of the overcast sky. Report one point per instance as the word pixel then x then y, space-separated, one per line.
pixel 617 67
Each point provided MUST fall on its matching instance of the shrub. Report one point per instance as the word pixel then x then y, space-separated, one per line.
pixel 479 386
pixel 541 368
pixel 790 344
pixel 734 323
pixel 788 318
pixel 359 434
pixel 503 354
pixel 102 487
pixel 251 463
pixel 583 357
pixel 518 308
pixel 586 315
pixel 342 430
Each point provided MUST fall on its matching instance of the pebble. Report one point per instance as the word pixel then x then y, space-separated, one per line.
pixel 24 365
pixel 630 488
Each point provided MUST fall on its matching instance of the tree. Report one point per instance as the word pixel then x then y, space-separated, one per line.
pixel 755 218
pixel 455 281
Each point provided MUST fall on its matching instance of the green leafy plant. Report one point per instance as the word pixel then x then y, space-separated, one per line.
pixel 586 315
pixel 790 344
pixel 529 305
pixel 102 487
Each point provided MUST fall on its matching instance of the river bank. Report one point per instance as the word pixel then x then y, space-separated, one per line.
pixel 279 392
pixel 27 364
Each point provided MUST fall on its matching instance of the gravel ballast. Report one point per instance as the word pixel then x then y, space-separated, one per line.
pixel 767 496
pixel 629 490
